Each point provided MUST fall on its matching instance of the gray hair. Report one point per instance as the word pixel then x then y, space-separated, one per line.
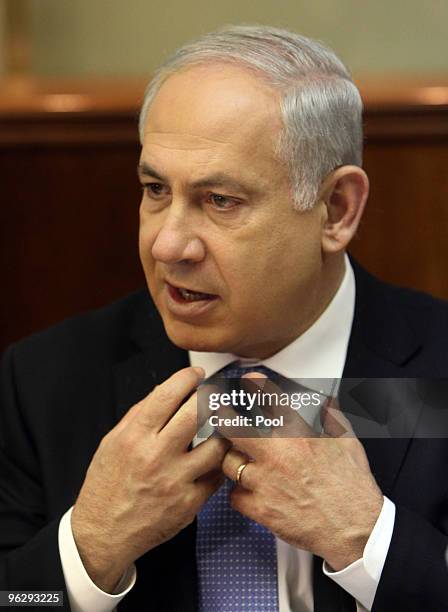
pixel 321 107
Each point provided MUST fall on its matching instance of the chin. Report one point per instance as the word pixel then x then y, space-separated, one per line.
pixel 200 339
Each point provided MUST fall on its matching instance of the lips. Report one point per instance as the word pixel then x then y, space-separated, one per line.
pixel 195 307
pixel 188 294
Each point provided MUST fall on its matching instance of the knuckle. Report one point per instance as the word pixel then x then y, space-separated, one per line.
pixel 151 463
pixel 173 489
pixel 214 465
pixel 106 440
pixel 226 464
pixel 221 453
pixel 235 500
pixel 190 500
pixel 125 446
pixel 107 443
pixel 128 442
pixel 167 488
pixel 265 514
pixel 165 394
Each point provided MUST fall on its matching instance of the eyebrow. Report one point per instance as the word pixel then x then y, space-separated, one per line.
pixel 144 169
pixel 217 179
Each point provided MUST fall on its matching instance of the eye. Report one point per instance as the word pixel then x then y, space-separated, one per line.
pixel 154 190
pixel 222 202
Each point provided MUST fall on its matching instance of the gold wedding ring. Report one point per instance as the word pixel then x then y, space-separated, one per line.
pixel 239 472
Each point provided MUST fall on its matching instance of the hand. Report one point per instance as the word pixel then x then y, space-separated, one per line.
pixel 314 492
pixel 143 485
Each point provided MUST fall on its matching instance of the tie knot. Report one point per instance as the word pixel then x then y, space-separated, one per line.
pixel 234 370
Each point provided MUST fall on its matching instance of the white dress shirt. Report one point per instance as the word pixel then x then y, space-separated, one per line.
pixel 319 353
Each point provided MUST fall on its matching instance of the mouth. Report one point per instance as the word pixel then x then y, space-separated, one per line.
pixel 183 295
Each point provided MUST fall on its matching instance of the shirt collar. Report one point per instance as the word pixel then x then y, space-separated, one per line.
pixel 319 352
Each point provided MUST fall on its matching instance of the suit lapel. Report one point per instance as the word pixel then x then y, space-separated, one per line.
pixel 381 340
pixel 381 343
pixel 153 358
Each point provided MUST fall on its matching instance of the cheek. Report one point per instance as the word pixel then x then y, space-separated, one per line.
pixel 251 270
pixel 146 237
pixel 289 268
pixel 249 288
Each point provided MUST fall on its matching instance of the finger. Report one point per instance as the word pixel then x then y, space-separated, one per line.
pixel 334 422
pixel 164 400
pixel 182 427
pixel 232 462
pixel 267 401
pixel 130 415
pixel 236 423
pixel 291 424
pixel 207 404
pixel 336 425
pixel 244 501
pixel 206 457
pixel 232 424
pixel 239 427
pixel 255 448
pixel 189 419
pixel 223 417
pixel 206 486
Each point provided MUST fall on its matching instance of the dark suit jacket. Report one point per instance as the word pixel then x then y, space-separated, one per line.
pixel 65 388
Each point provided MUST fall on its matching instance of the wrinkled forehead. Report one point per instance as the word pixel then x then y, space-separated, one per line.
pixel 216 103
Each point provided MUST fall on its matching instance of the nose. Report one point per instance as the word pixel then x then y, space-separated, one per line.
pixel 177 241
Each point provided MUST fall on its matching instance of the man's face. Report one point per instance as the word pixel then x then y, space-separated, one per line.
pixel 216 217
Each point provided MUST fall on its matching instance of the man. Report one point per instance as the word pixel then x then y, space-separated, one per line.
pixel 252 190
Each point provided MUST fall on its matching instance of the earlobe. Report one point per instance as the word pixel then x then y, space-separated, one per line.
pixel 345 195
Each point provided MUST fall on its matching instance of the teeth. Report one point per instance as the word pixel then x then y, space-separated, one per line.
pixel 190 296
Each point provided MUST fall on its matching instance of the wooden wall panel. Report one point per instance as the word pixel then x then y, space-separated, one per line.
pixel 404 232
pixel 69 195
pixel 69 219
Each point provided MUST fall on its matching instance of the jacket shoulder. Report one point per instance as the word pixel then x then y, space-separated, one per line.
pixel 100 334
pixel 424 313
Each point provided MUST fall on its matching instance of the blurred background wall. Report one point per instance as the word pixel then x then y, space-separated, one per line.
pixel 72 75
pixel 133 36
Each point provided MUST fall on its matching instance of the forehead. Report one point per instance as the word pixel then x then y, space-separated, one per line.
pixel 212 108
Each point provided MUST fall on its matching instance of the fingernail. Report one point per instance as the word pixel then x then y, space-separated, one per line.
pixel 254 375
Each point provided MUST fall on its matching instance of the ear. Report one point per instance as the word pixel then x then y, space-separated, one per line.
pixel 344 193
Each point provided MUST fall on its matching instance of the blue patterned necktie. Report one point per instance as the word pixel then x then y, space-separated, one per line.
pixel 236 557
